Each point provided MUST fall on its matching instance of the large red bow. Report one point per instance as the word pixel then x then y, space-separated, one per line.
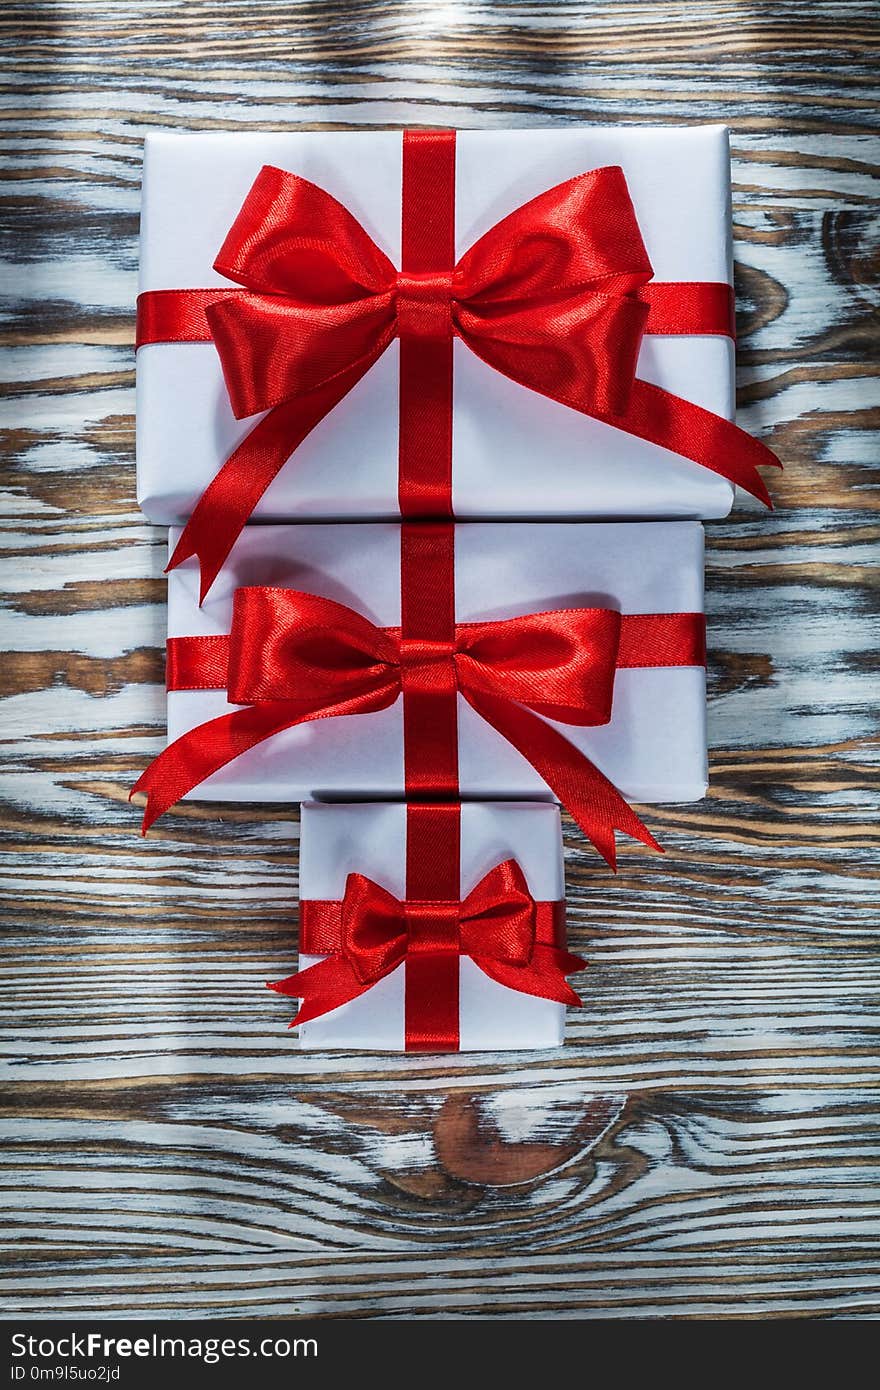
pixel 292 657
pixel 533 300
pixel 555 296
pixel 513 940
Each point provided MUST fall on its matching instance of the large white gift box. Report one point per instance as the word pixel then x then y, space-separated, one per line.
pixel 515 453
pixel 370 839
pixel 653 749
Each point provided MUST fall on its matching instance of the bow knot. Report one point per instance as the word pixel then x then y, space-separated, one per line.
pixel 417 653
pixel 424 304
pixel 433 927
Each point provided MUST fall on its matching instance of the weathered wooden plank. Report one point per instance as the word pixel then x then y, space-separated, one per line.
pixel 647 1207
pixel 706 1143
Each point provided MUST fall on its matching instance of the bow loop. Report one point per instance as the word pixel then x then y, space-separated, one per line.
pixel 285 644
pixel 273 350
pixel 584 350
pixel 498 917
pixel 546 294
pixel 560 663
pixel 581 236
pixel 373 940
pixel 320 300
pixel 293 238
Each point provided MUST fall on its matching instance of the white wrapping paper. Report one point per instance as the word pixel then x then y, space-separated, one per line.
pixel 515 453
pixel 371 839
pixel 654 748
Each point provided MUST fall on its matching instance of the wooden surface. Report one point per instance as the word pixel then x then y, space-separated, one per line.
pixel 707 1143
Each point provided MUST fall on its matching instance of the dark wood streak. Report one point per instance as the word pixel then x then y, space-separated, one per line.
pixel 706 1144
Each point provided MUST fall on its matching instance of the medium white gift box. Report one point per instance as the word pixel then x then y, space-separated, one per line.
pixel 338 840
pixel 515 452
pixel 653 749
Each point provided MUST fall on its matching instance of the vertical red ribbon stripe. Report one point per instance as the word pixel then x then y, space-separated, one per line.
pixel 433 882
pixel 427 589
pixel 430 743
pixel 424 308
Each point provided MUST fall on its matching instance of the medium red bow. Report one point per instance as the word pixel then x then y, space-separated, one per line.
pixel 555 296
pixel 513 940
pixel 292 657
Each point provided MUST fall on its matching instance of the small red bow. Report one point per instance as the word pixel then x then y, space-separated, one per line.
pixel 513 940
pixel 554 296
pixel 293 657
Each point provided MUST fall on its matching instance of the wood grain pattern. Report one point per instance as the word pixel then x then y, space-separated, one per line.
pixel 707 1144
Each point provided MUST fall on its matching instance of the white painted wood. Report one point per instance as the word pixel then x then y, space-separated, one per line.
pixel 707 1142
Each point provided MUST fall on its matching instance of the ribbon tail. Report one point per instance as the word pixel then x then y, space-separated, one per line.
pixel 583 790
pixel 206 749
pixel 543 977
pixel 230 498
pixel 661 418
pixel 697 434
pixel 202 751
pixel 322 987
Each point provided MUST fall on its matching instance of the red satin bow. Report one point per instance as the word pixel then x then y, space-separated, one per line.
pixel 513 940
pixel 293 657
pixel 555 296
pixel 547 294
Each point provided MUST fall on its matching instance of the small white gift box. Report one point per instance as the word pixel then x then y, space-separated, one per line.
pixel 370 839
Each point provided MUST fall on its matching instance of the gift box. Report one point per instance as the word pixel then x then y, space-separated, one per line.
pixel 625 692
pixel 514 451
pixel 508 857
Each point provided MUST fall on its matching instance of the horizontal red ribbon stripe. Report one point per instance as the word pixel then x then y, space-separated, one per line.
pixel 321 929
pixel 646 639
pixel 690 308
pixel 176 316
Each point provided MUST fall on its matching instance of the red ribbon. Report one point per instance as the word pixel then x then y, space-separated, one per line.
pixel 433 874
pixel 513 939
pixel 293 657
pixel 555 296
